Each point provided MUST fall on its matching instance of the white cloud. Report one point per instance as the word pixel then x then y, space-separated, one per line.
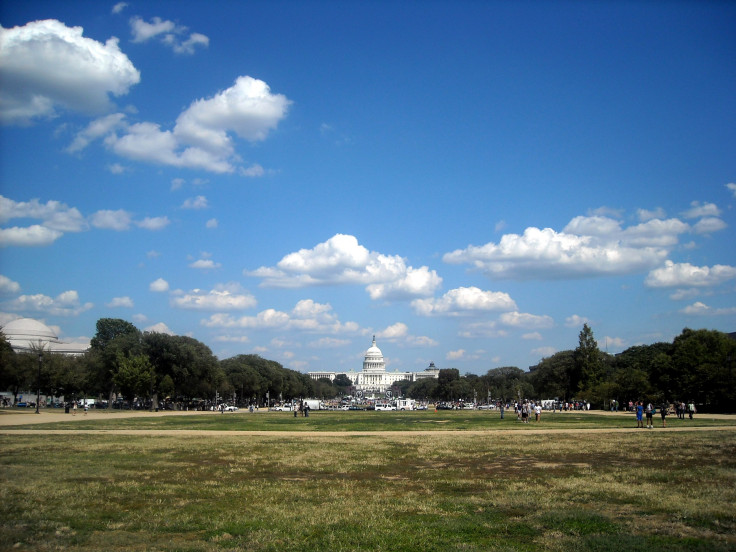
pixel 159 328
pixel 169 32
pixel 153 223
pixel 212 223
pixel 701 309
pixel 455 355
pixel 536 336
pixel 119 7
pixel 205 264
pixel 159 285
pixel 342 260
pixel 31 236
pixel 576 321
pixel 96 129
pixel 699 210
pixel 199 202
pixel 47 64
pixel 687 275
pixel 464 300
pixel 201 136
pixel 143 31
pixel 55 215
pixel 708 225
pixel 64 304
pixel 526 320
pixel 120 302
pixel 118 220
pixel 222 298
pixel 732 187
pixel 645 214
pixel 544 253
pixel 307 315
pixel 8 286
pixel 398 330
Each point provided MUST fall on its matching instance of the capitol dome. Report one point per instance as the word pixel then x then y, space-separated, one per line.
pixel 26 334
pixel 374 359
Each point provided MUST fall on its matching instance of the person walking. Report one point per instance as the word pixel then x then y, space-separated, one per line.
pixel 639 414
pixel 691 409
pixel 663 412
pixel 649 412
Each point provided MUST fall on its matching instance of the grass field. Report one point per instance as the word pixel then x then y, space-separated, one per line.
pixel 474 488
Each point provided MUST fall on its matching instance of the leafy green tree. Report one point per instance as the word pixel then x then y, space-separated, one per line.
pixel 509 383
pixel 703 368
pixel 114 337
pixel 135 376
pixel 553 376
pixel 588 362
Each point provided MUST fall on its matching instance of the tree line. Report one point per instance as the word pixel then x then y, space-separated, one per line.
pixel 125 363
pixel 698 366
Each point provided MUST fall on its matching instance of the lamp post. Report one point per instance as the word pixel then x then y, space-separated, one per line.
pixel 38 390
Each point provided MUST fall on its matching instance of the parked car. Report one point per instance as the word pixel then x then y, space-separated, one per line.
pixel 231 409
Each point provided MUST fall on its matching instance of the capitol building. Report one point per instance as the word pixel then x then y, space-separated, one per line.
pixel 374 379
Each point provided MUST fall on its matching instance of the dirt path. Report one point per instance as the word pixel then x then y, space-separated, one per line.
pixel 14 418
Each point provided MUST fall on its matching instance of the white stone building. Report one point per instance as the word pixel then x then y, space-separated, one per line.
pixel 374 379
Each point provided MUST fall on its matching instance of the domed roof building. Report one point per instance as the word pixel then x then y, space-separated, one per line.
pixel 374 380
pixel 29 335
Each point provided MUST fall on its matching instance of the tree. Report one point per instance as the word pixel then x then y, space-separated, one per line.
pixel 588 363
pixel 553 376
pixel 135 376
pixel 114 337
pixel 508 383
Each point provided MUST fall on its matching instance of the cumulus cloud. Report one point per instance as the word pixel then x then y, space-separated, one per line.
pixel 8 286
pixel 687 275
pixel 159 328
pixel 342 260
pixel 47 65
pixel 153 223
pixel 31 236
pixel 594 245
pixel 464 300
pixel 54 215
pixel 57 218
pixel 205 264
pixel 699 210
pixel 169 34
pixel 202 136
pixel 64 304
pixel 576 321
pixel 111 220
pixel 159 285
pixel 701 309
pixel 307 315
pixel 223 297
pixel 120 302
pixel 732 187
pixel 199 202
pixel 525 320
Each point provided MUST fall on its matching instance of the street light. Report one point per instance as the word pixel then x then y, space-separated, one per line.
pixel 38 391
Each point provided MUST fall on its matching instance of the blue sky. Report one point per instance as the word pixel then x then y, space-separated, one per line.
pixel 469 181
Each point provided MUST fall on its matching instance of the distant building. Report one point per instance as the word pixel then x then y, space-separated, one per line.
pixel 374 379
pixel 27 335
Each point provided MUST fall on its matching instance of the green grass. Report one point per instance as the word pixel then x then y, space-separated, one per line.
pixel 443 491
pixel 365 421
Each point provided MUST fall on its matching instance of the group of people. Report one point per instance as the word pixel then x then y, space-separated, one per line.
pixel 650 410
pixel 525 410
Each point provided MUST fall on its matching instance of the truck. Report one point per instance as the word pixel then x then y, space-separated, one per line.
pixel 405 404
pixel 314 404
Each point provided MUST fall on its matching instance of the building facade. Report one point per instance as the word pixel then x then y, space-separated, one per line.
pixel 373 379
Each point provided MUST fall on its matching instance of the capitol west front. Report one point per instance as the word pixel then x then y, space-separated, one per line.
pixel 373 379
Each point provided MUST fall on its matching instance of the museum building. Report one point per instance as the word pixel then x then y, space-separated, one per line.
pixel 374 379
